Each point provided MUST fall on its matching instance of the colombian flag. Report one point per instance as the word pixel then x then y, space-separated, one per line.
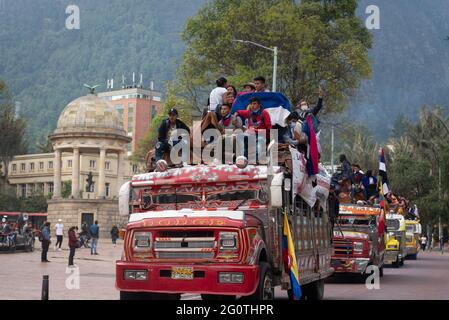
pixel 290 259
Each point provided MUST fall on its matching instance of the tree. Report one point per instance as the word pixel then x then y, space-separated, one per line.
pixel 12 130
pixel 46 147
pixel 317 40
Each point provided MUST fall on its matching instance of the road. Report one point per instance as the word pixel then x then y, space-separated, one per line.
pixel 21 278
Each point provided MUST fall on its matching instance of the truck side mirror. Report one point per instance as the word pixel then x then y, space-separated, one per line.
pixel 123 199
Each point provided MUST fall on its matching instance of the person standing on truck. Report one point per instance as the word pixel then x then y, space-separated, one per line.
pixel 260 83
pixel 258 123
pixel 165 131
pixel 95 234
pixel 59 228
pixel 216 95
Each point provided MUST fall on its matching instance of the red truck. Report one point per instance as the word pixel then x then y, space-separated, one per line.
pixel 216 230
pixel 357 242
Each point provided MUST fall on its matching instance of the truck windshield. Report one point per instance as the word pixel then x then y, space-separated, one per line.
pixel 392 224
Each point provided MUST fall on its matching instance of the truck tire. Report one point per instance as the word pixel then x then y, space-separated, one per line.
pixel 217 297
pixel 381 271
pixel 124 295
pixel 396 264
pixel 401 263
pixel 265 289
pixel 314 291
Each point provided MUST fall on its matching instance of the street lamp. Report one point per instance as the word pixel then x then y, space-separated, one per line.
pixel 275 60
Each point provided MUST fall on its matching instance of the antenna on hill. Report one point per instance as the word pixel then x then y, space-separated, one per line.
pixel 123 81
pixel 141 81
pixel 91 88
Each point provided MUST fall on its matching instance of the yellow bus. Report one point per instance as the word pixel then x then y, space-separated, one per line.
pixel 413 232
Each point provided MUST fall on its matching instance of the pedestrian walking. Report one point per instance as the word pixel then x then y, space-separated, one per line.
pixel 442 245
pixel 114 235
pixel 73 245
pixel 59 228
pixel 423 243
pixel 46 240
pixel 95 234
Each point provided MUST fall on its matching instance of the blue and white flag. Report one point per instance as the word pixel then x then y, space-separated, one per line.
pixel 383 171
pixel 275 103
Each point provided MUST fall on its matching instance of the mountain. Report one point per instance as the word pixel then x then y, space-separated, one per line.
pixel 46 64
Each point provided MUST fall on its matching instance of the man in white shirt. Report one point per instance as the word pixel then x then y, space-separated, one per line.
pixel 59 227
pixel 216 96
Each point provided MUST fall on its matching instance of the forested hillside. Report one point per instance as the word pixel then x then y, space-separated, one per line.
pixel 45 64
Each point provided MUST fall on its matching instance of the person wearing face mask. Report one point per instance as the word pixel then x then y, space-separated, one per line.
pixel 289 135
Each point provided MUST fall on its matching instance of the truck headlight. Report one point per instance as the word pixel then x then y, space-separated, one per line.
pixel 228 240
pixel 142 241
pixel 138 275
pixel 358 246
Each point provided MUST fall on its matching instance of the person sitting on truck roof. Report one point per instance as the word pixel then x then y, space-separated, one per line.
pixel 258 122
pixel 260 83
pixel 228 121
pixel 356 177
pixel 369 183
pixel 289 134
pixel 165 133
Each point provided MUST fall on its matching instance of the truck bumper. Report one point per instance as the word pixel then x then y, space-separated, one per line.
pixel 411 250
pixel 205 279
pixel 350 265
pixel 391 256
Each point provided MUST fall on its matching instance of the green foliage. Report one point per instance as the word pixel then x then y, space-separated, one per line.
pixel 317 41
pixel 418 157
pixel 66 189
pixel 10 203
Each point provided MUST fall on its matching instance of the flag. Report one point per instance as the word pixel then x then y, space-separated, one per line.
pixel 275 103
pixel 383 172
pixel 291 266
pixel 312 147
pixel 384 205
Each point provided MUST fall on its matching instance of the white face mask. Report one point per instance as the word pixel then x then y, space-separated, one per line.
pixel 304 107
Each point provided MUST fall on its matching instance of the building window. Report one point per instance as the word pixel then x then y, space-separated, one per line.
pixel 23 190
pixel 22 167
pixel 92 163
pixel 14 168
pixel 107 165
pixel 41 166
pixel 135 168
pixel 50 164
pixel 50 187
pixel 69 163
pixel 107 187
pixel 32 167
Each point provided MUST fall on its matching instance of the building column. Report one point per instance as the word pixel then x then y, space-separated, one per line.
pixel 120 171
pixel 57 175
pixel 101 175
pixel 76 173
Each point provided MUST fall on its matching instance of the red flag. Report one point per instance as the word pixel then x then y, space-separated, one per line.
pixel 313 148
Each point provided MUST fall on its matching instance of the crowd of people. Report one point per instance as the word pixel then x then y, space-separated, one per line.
pixel 254 121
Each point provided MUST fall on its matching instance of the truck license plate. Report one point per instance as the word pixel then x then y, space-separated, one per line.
pixel 182 273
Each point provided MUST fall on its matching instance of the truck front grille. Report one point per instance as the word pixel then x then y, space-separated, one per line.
pixel 343 247
pixel 185 245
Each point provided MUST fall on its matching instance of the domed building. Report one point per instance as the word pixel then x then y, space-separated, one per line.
pixel 90 135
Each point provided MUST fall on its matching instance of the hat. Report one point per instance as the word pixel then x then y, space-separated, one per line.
pixel 172 111
pixel 250 84
pixel 59 220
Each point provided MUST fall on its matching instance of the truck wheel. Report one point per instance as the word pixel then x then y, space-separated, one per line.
pixel 217 297
pixel 290 295
pixel 265 290
pixel 124 295
pixel 314 290
pixel 381 271
pixel 401 263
